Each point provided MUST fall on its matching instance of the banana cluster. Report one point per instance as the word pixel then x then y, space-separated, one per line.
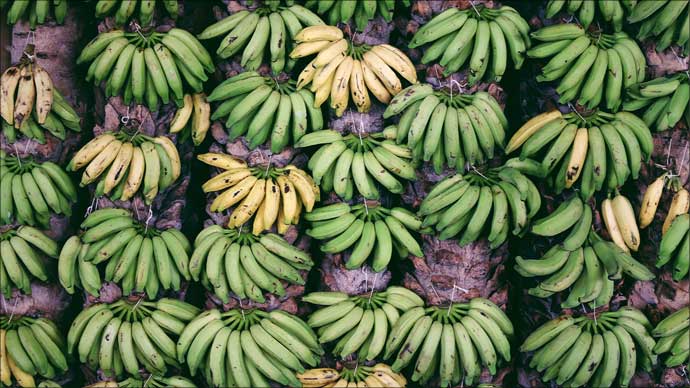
pixel 478 34
pixel 603 351
pixel 124 9
pixel 30 191
pixel 440 125
pixel 665 99
pixel 150 66
pixel 248 348
pixel 354 162
pixel 672 333
pixel 38 11
pixel 272 195
pixel 377 376
pixel 602 150
pixel 229 260
pixel 593 68
pixel 453 342
pixel 370 229
pixel 30 347
pixel 360 324
pixel 196 108
pixel 131 163
pixel 501 198
pixel 667 21
pixel 611 11
pixel 127 335
pixel 21 252
pixel 619 218
pixel 675 244
pixel 263 108
pixel 270 31
pixel 139 257
pixel 154 381
pixel 342 11
pixel 341 69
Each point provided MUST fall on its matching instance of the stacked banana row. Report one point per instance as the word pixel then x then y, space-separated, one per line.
pixel 377 376
pixel 30 347
pixel 665 99
pixel 602 149
pixel 196 108
pixel 153 381
pixel 453 342
pixel 620 221
pixel 30 191
pixel 139 257
pixel 149 66
pixel 478 34
pixel 342 11
pixel 667 21
pixel 248 348
pixel 228 260
pixel 360 324
pixel 127 335
pixel 127 164
pixel 603 351
pixel 611 11
pixel 21 257
pixel 354 162
pixel 341 69
pixel 461 128
pixel 370 229
pixel 124 9
pixel 252 31
pixel 502 198
pixel 38 11
pixel 263 108
pixel 673 336
pixel 272 195
pixel 592 68
pixel 675 244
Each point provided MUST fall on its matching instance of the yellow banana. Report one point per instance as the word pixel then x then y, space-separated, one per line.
pixel 135 176
pixel 305 188
pixel 271 204
pixel 225 179
pixel 233 195
pixel 340 91
pixel 26 93
pixel 358 88
pixel 100 162
pixel 298 211
pixel 289 198
pixel 318 376
pixel 577 157
pixel 321 32
pixel 119 167
pixel 383 72
pixel 89 151
pixel 625 218
pixel 308 48
pixel 281 225
pixel 336 49
pixel 307 75
pixel 182 115
pixel 530 128
pixel 245 210
pixel 226 162
pixel 44 93
pixel 399 378
pixel 611 224
pixel 325 75
pixel 394 58
pixel 258 224
pixel 8 87
pixel 173 155
pixel 323 92
pixel 23 379
pixel 679 205
pixel 650 201
pixel 201 120
pixel 410 66
pixel 5 373
pixel 374 85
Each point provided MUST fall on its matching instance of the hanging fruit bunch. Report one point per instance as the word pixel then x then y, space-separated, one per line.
pixel 667 21
pixel 124 9
pixel 31 191
pixel 341 68
pixel 675 244
pixel 369 228
pixel 612 11
pixel 126 335
pixel 270 194
pixel 248 347
pixel 360 323
pixel 599 351
pixel 379 375
pixel 673 337
pixel 593 67
pixel 262 108
pixel 246 264
pixel 268 31
pixel 342 11
pixel 38 11
pixel 478 34
pixel 665 99
pixel 29 348
pixel 21 258
pixel 460 127
pixel 601 148
pixel 197 109
pixel 150 66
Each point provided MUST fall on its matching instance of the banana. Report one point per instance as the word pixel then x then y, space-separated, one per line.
pixel 679 205
pixel 625 219
pixel 530 128
pixel 612 226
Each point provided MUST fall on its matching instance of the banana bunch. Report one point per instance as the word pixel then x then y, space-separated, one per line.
pixel 611 11
pixel 478 34
pixel 125 9
pixel 196 108
pixel 619 219
pixel 150 66
pixel 665 99
pixel 464 203
pixel 248 348
pixel 593 67
pixel 452 342
pixel 666 21
pixel 672 333
pixel 440 125
pixel 602 351
pixel 362 323
pixel 38 11
pixel 342 11
pixel 154 381
pixel 21 258
pixel 139 257
pixel 268 31
pixel 126 335
pixel 126 163
pixel 30 347
pixel 270 194
pixel 377 376
pixel 229 260
pixel 675 244
pixel 31 191
pixel 263 107
pixel 341 69
pixel 601 149
pixel 345 163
